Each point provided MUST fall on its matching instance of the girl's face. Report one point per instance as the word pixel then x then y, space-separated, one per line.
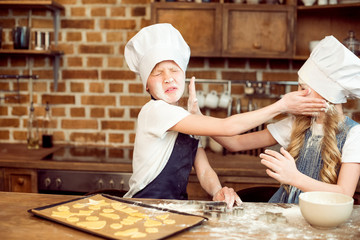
pixel 304 86
pixel 166 82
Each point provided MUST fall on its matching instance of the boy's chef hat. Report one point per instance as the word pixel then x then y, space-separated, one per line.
pixel 332 70
pixel 154 44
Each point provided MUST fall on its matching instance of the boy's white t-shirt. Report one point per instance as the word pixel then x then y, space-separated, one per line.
pixel 153 142
pixel 281 131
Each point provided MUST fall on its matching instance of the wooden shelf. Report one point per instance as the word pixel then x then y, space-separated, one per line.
pixel 328 7
pixel 45 4
pixel 50 53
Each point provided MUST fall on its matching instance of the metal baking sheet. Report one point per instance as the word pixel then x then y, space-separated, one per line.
pixel 117 218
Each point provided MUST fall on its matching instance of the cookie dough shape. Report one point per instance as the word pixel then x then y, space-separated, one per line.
pixel 110 215
pixel 163 217
pixel 116 226
pixel 152 223
pixel 66 214
pixel 95 225
pixel 72 219
pixel 63 208
pixel 169 221
pixel 151 230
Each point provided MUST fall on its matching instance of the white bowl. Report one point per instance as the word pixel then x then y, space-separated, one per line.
pixel 308 2
pixel 325 209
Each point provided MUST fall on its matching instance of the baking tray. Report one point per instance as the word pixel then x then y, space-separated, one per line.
pixel 117 218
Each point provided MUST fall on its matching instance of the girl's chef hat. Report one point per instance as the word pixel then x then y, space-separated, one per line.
pixel 154 44
pixel 333 71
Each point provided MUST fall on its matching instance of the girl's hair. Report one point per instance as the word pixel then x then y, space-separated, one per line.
pixel 330 153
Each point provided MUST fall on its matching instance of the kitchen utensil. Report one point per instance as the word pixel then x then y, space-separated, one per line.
pixel 212 100
pixel 39 40
pixel 21 37
pixel 352 43
pixel 325 209
pixel 238 105
pixel 200 95
pixel 225 100
pixel 322 2
pixel 308 2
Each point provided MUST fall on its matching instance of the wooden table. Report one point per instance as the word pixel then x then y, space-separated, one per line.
pixel 16 223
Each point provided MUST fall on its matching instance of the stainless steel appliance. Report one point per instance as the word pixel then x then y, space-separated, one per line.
pixel 82 182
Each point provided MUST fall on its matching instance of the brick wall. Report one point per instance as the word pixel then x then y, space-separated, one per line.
pixel 98 98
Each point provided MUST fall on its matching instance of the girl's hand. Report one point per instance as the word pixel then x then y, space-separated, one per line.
pixel 281 166
pixel 227 195
pixel 193 106
pixel 299 103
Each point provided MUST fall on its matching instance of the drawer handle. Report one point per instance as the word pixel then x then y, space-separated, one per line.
pixel 257 45
pixel 21 181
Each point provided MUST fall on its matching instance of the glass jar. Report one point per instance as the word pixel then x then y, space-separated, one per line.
pixel 352 43
pixel 32 130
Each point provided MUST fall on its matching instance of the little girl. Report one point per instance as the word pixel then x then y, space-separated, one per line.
pixel 322 151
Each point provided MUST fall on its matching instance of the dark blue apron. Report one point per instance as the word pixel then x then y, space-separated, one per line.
pixel 171 183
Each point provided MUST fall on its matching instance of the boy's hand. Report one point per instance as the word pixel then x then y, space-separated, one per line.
pixel 229 196
pixel 299 103
pixel 193 106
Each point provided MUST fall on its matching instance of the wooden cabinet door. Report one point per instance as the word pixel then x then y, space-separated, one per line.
pixel 199 24
pixel 258 31
pixel 20 180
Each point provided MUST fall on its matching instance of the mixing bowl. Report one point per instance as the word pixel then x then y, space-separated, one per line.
pixel 325 209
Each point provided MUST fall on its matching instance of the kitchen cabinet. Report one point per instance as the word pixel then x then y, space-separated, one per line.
pixel 200 24
pixel 315 22
pixel 261 31
pixel 19 180
pixel 50 5
pixel 256 31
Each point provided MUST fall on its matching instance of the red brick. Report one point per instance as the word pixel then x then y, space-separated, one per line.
pixel 116 87
pixel 138 11
pixel 4 134
pixel 237 62
pixel 132 137
pixel 58 136
pixel 93 37
pixel 98 12
pixel 251 76
pixel 44 74
pixel 135 1
pixel 3 110
pixel 96 87
pixel 78 12
pixel 118 11
pixel 115 62
pixel 97 112
pixel 77 112
pixel 9 122
pixel 20 135
pixel 133 101
pixel 114 36
pixel 7 23
pixel 58 112
pixel 80 74
pixel 77 24
pixel 58 99
pixel 39 86
pixel 94 62
pixel 116 112
pixel 79 124
pixel 17 61
pixel 66 48
pixel 19 111
pixel 74 61
pixel 42 23
pixel 87 137
pixel 77 87
pixel 280 76
pixel 201 74
pixel 73 36
pixel 279 64
pixel 217 62
pixel 98 2
pixel 134 112
pixel 117 74
pixel 98 100
pixel 117 125
pixel 96 49
pixel 4 86
pixel 13 98
pixel 136 88
pixel 61 87
pixel 117 24
pixel 116 138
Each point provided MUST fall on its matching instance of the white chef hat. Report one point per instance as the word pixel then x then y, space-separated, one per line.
pixel 332 70
pixel 154 44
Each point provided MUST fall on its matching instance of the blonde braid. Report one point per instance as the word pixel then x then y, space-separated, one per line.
pixel 297 138
pixel 330 153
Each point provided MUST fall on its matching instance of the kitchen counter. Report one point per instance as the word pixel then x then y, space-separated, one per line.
pixel 255 221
